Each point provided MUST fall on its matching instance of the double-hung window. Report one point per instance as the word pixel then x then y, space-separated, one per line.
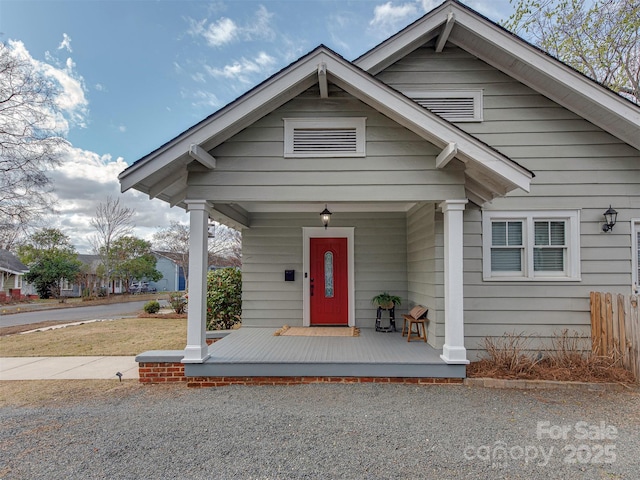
pixel 531 245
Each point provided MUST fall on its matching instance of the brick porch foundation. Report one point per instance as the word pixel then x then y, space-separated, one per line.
pixel 155 372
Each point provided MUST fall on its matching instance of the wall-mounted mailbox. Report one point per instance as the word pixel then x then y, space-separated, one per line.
pixel 289 275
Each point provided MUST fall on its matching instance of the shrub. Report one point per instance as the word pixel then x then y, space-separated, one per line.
pixel 178 302
pixel 224 298
pixel 152 307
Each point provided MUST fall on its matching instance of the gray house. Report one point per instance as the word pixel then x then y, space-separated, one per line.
pixel 465 170
pixel 12 271
pixel 173 279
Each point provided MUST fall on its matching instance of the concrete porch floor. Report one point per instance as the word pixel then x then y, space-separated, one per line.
pixel 256 352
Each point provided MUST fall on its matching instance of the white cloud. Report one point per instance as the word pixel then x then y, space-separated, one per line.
pixel 387 18
pixel 201 98
pixel 66 43
pixel 221 32
pixel 260 27
pixel 224 30
pixel 86 179
pixel 122 128
pixel 99 87
pixel 71 99
pixel 244 69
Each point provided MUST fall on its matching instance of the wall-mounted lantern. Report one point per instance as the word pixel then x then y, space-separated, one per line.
pixel 610 217
pixel 325 216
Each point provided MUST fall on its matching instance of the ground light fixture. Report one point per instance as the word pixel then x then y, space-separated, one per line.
pixel 610 217
pixel 325 216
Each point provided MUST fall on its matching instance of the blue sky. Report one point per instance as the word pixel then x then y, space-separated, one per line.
pixel 137 73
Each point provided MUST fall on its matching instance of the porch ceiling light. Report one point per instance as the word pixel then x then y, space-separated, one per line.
pixel 610 217
pixel 325 216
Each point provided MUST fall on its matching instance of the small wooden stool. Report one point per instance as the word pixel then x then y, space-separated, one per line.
pixel 417 317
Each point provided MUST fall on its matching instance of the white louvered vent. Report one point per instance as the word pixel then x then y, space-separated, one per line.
pixel 308 140
pixel 452 105
pixel 324 137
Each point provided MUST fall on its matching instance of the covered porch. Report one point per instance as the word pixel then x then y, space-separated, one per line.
pixel 256 352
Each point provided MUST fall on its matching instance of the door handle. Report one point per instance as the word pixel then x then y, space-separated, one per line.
pixel 311 286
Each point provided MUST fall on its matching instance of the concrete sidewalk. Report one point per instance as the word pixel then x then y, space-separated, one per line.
pixel 67 368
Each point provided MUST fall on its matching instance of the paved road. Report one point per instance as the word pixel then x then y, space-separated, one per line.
pixel 74 314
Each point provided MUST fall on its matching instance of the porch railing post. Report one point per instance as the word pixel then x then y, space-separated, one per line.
pixel 196 350
pixel 453 350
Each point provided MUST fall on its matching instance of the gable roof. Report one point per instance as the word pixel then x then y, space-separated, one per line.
pixel 162 173
pixel 10 263
pixel 456 23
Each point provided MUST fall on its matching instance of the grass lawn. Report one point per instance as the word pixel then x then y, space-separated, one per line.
pixel 129 336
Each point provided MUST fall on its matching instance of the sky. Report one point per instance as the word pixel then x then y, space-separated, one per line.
pixel 134 74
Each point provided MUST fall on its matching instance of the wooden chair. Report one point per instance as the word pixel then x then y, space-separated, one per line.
pixel 417 316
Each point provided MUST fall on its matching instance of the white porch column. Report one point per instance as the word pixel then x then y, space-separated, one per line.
pixel 196 349
pixel 453 350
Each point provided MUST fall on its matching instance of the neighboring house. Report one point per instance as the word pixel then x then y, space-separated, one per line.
pixel 173 279
pixel 12 272
pixel 89 279
pixel 486 206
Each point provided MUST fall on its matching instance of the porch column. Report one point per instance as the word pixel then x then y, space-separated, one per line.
pixel 196 350
pixel 453 350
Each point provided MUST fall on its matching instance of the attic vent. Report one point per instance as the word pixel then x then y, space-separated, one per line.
pixel 452 105
pixel 324 137
pixel 307 140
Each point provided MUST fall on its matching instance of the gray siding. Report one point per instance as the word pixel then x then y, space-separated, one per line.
pixel 399 166
pixel 577 166
pixel 273 244
pixel 421 267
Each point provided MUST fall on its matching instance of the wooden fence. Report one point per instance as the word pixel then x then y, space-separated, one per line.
pixel 615 329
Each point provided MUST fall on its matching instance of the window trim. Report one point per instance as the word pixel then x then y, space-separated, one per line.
pixel 290 124
pixel 572 242
pixel 635 231
pixel 475 93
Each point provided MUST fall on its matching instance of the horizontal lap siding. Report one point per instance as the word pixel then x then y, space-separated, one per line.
pixel 421 268
pixel 577 166
pixel 273 244
pixel 399 165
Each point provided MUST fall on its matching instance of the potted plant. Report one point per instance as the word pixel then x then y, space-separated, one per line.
pixel 386 301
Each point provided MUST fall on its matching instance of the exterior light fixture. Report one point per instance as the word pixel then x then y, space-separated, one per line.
pixel 610 217
pixel 211 230
pixel 325 216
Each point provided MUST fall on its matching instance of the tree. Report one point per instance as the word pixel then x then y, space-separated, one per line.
pixel 51 259
pixel 30 142
pixel 131 258
pixel 174 240
pixel 224 246
pixel 112 221
pixel 600 39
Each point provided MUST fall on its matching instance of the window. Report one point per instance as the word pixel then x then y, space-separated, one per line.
pixel 452 105
pixel 635 241
pixel 531 245
pixel 18 281
pixel 328 274
pixel 324 137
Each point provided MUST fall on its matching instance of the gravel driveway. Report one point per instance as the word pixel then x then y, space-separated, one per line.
pixel 354 431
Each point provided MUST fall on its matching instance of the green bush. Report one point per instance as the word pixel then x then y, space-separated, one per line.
pixel 224 298
pixel 178 302
pixel 152 307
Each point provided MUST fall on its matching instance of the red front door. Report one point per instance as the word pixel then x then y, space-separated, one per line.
pixel 329 281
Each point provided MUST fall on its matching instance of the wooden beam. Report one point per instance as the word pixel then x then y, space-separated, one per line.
pixel 178 197
pixel 446 155
pixel 160 186
pixel 322 80
pixel 231 216
pixel 201 155
pixel 446 31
